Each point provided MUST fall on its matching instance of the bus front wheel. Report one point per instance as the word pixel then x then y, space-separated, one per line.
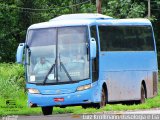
pixel 47 110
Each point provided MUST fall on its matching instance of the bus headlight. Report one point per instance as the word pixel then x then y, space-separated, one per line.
pixel 84 87
pixel 33 91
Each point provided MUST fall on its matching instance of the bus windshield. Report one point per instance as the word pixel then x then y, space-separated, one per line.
pixel 57 55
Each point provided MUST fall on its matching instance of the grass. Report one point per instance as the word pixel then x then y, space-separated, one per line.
pixel 12 85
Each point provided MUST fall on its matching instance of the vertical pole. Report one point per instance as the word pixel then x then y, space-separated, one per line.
pixel 72 6
pixel 149 8
pixel 98 5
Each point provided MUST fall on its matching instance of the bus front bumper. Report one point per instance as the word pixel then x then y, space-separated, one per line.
pixel 76 98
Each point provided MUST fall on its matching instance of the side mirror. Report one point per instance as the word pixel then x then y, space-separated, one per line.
pixel 19 55
pixel 93 49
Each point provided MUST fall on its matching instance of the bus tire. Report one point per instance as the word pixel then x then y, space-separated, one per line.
pixel 47 110
pixel 142 100
pixel 85 106
pixel 103 100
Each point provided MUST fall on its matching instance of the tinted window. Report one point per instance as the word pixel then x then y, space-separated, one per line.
pixel 41 37
pixel 126 38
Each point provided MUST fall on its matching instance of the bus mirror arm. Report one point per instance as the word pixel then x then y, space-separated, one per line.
pixel 19 55
pixel 93 48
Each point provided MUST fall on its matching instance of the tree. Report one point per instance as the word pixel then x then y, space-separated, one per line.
pixel 17 15
pixel 124 9
pixel 8 32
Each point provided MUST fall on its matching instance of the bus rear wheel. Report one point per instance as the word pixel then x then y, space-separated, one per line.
pixel 103 100
pixel 47 110
pixel 142 100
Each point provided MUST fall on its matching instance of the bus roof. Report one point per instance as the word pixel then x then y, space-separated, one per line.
pixel 61 23
pixel 90 16
pixel 133 21
pixel 71 20
pixel 88 19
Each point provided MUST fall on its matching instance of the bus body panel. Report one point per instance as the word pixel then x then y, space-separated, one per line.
pixel 126 61
pixel 125 71
pixel 91 95
pixel 58 88
pixel 81 97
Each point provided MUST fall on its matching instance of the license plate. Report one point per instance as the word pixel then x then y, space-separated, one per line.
pixel 58 99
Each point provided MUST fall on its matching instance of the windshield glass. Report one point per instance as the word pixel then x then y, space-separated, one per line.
pixel 57 55
pixel 72 52
pixel 42 46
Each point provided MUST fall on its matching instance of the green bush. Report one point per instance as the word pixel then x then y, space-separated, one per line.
pixel 11 80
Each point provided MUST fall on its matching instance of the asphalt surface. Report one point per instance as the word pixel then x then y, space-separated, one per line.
pixel 153 114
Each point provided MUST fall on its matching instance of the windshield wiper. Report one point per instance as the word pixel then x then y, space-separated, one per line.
pixel 46 77
pixel 53 67
pixel 64 68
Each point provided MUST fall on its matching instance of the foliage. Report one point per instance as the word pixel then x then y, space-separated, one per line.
pixel 124 9
pixel 88 8
pixel 11 81
pixel 8 32
pixel 17 15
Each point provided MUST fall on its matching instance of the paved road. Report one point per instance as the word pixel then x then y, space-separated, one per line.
pixel 153 114
pixel 150 111
pixel 51 117
pixel 41 117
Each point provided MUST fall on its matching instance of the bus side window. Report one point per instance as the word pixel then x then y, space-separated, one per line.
pixel 95 61
pixel 126 38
